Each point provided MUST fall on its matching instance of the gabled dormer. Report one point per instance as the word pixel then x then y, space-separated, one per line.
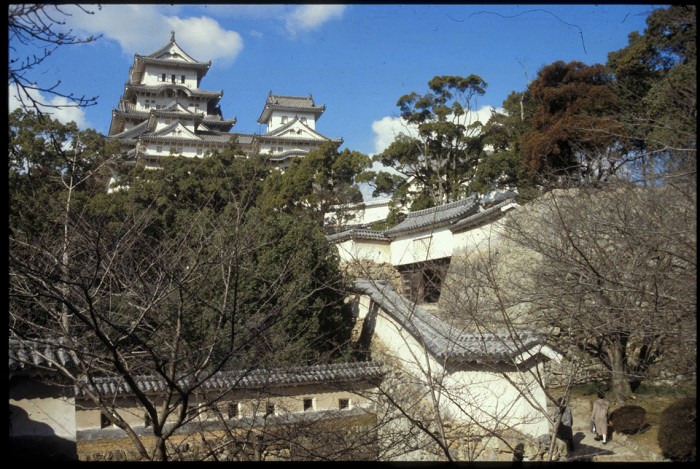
pixel 169 64
pixel 173 112
pixel 296 129
pixel 280 110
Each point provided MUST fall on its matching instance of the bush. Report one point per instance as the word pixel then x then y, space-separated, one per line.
pixel 629 419
pixel 677 430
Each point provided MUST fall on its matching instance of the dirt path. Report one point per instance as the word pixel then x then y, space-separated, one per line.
pixel 617 449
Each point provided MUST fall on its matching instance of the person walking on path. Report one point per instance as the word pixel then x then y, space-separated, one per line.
pixel 599 418
pixel 565 430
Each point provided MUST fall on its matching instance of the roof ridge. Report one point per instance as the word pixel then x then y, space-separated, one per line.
pixel 443 207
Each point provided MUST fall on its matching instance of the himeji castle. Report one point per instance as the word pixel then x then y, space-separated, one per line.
pixel 163 112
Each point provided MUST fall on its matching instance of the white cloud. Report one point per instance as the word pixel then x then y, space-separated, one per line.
pixel 253 11
pixel 388 128
pixel 203 37
pixel 62 113
pixel 310 17
pixel 142 29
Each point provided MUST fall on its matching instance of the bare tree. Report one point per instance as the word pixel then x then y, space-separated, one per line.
pixel 34 35
pixel 617 273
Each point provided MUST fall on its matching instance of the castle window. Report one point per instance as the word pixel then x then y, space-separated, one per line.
pixel 147 422
pixel 182 78
pixel 303 120
pixel 308 404
pixel 172 78
pixel 234 410
pixel 284 119
pixel 159 148
pixel 162 77
pixel 269 409
pixel 104 421
pixel 343 404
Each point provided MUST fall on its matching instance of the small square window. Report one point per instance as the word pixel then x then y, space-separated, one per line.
pixel 308 405
pixel 199 151
pixel 269 409
pixel 233 410
pixel 284 119
pixel 182 78
pixel 343 404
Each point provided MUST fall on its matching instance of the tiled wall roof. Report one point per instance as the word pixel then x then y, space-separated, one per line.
pixel 434 216
pixel 222 381
pixel 26 355
pixel 480 217
pixel 356 234
pixel 444 341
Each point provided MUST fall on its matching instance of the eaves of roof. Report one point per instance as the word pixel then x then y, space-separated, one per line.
pixel 486 216
pixel 435 217
pixel 172 86
pixel 29 355
pixel 357 234
pixel 253 379
pixel 447 343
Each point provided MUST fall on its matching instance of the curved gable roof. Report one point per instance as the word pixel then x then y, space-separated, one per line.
pixel 289 103
pixel 279 131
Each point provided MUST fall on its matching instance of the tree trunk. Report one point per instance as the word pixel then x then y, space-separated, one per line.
pixel 620 384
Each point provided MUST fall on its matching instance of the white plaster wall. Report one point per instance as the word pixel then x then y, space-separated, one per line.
pixel 494 401
pixel 187 151
pixel 44 411
pixel 276 119
pixel 354 250
pixel 152 76
pixel 405 251
pixel 486 396
pixel 477 239
pixel 372 211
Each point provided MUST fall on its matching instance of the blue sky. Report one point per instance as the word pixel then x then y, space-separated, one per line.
pixel 355 59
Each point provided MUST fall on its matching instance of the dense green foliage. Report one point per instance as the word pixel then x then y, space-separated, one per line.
pixel 434 164
pixel 240 272
pixel 312 185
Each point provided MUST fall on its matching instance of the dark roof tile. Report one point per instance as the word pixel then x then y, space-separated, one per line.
pixel 444 341
pixel 225 380
pixel 435 216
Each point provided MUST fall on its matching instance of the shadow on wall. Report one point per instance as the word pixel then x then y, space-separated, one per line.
pixel 43 445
